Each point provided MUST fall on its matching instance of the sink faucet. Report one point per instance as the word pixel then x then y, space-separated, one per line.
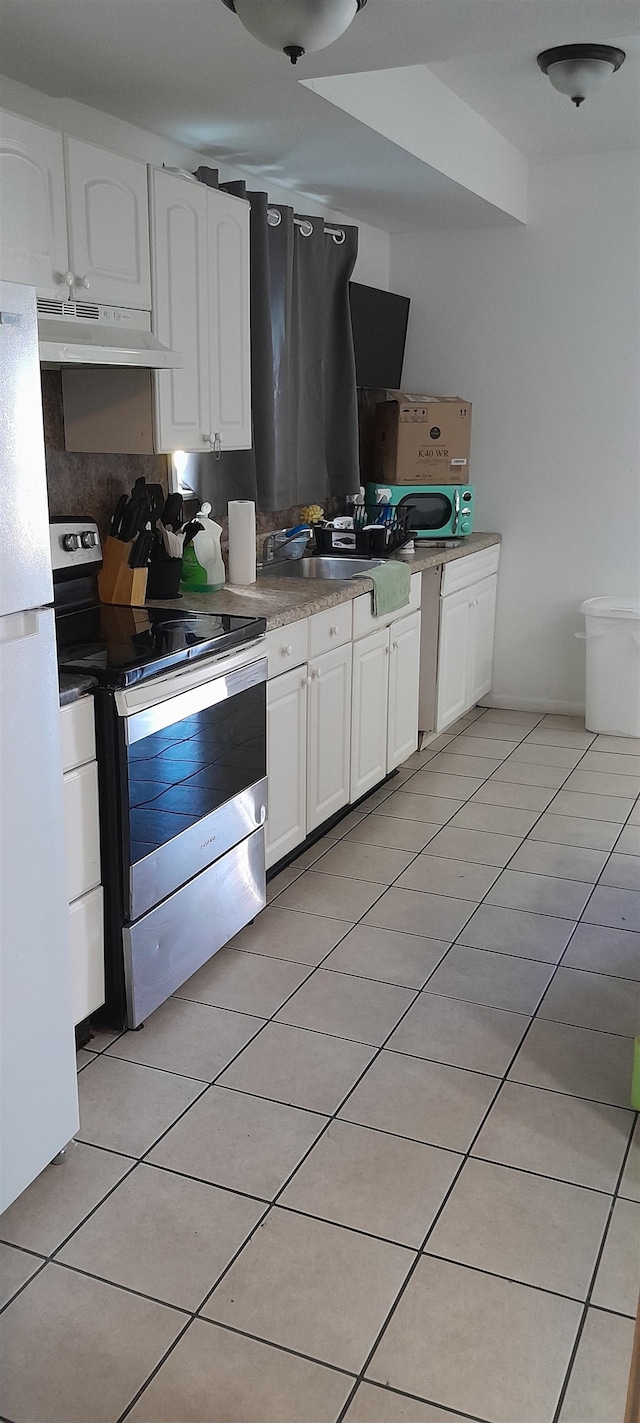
pixel 274 543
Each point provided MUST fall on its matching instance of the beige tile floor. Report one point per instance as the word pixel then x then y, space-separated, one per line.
pixel 374 1162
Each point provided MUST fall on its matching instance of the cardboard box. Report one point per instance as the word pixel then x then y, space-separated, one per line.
pixel 422 439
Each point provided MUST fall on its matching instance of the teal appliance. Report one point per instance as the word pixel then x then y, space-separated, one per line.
pixel 436 511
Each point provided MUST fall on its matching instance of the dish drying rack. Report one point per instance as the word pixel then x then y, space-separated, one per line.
pixel 378 530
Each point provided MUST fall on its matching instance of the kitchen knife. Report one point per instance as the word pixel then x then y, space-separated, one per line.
pixel 116 517
pixel 134 519
pixel 141 549
pixel 173 512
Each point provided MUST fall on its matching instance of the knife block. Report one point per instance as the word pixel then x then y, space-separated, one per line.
pixel 117 582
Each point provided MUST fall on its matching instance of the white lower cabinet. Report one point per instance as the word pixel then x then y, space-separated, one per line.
pixel 386 679
pixel 329 735
pixel 453 658
pixel 465 649
pixel 482 630
pixel 82 829
pixel 87 954
pixel 404 685
pixel 286 826
pixel 369 712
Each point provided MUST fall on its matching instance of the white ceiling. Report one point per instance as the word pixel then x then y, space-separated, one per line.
pixel 188 70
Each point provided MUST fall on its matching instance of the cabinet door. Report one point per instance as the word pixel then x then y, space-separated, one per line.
pixel 453 658
pixel 482 629
pixel 230 369
pixel 286 763
pixel 180 310
pixel 329 736
pixel 87 954
pixel 33 222
pixel 108 218
pixel 369 712
pixel 404 687
pixel 82 829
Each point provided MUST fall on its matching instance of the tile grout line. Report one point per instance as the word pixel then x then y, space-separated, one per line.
pixel 298 1165
pixel 587 1303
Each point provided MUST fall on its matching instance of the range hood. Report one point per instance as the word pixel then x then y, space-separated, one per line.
pixel 82 333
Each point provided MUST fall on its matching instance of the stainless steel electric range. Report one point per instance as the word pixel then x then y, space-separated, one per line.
pixel 181 745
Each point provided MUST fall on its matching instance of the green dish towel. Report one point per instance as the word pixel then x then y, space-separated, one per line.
pixel 391 587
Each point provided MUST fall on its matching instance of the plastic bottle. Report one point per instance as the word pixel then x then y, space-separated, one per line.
pixel 203 569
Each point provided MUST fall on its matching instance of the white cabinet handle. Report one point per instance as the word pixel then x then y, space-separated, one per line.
pixel 387 650
pixel 82 282
pixel 286 651
pixel 316 672
pixel 207 439
pixel 306 682
pixel 68 279
pixel 333 632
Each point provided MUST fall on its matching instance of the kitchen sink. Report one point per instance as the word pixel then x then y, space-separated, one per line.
pixel 318 566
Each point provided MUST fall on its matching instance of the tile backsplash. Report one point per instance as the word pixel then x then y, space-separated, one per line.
pixel 90 484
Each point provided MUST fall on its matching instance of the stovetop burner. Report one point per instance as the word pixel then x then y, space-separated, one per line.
pixel 122 645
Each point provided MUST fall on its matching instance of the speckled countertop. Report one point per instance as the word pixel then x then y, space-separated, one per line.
pixel 286 600
pixel 74 685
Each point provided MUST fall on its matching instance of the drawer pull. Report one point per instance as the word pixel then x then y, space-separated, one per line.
pixel 286 651
pixel 333 631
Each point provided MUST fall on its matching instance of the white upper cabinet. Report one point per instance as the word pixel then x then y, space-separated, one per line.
pixel 200 246
pixel 108 217
pixel 180 310
pixel 75 218
pixel 33 222
pixel 404 684
pixel 230 354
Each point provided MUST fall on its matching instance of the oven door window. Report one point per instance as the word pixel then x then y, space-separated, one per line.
pixel 430 510
pixel 180 774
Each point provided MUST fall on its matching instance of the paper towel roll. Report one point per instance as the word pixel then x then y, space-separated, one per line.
pixel 242 541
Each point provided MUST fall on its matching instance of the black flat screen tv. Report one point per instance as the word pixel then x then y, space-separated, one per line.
pixel 379 322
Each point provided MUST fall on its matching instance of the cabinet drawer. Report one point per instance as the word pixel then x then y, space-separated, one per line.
pixel 87 954
pixel 461 572
pixel 82 829
pixel 363 619
pixel 329 629
pixel 77 730
pixel 287 647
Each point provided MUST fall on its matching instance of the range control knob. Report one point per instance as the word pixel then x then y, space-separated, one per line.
pixel 88 539
pixel 71 542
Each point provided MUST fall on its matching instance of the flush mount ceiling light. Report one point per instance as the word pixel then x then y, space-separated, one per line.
pixel 296 26
pixel 579 69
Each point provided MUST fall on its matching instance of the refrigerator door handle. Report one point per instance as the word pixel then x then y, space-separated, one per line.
pixel 16 626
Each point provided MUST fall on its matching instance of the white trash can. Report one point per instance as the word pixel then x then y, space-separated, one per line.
pixel 613 665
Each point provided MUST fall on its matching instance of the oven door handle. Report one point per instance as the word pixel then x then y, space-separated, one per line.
pixel 172 710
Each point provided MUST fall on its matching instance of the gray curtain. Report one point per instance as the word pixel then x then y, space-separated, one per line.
pixel 304 399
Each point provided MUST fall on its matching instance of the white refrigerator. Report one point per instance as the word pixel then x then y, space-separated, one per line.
pixel 38 1091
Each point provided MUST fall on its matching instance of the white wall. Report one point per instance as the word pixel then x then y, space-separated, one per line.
pixel 539 328
pixel 372 265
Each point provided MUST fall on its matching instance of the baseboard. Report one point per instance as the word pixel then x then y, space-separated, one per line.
pixel 533 704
